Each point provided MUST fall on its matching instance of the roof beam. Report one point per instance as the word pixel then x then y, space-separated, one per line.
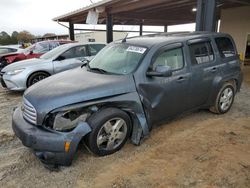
pixel 167 6
pixel 136 5
pixel 244 2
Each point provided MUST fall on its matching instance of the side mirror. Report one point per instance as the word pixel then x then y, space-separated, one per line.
pixel 60 58
pixel 160 71
pixel 85 61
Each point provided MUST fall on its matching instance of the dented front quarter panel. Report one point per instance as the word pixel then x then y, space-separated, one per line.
pixel 129 102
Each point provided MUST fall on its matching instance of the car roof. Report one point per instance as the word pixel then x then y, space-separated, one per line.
pixel 70 45
pixel 165 38
pixel 10 46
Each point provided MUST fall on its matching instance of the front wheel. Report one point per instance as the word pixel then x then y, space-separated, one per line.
pixel 36 77
pixel 224 99
pixel 111 128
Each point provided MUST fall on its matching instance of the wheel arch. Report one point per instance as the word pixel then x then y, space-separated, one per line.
pixel 218 83
pixel 139 127
pixel 37 71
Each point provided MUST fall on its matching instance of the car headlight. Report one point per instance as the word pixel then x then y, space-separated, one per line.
pixel 15 72
pixel 65 121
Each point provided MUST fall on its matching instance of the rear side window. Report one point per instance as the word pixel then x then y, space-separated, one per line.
pixel 172 58
pixel 201 53
pixel 225 47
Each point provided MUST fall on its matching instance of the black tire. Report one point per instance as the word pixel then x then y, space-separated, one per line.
pixel 217 108
pixel 97 121
pixel 36 77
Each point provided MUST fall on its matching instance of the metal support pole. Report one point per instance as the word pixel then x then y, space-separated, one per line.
pixel 165 28
pixel 206 15
pixel 109 28
pixel 141 29
pixel 71 31
pixel 218 15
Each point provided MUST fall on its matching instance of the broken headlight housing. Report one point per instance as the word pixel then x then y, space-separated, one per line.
pixel 66 120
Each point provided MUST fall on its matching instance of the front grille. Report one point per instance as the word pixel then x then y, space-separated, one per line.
pixel 29 112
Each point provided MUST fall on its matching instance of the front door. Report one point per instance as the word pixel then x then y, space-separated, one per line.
pixel 164 97
pixel 70 59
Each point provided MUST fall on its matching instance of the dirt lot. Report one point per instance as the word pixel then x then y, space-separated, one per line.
pixel 196 150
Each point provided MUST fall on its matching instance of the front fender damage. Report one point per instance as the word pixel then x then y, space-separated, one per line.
pixel 128 102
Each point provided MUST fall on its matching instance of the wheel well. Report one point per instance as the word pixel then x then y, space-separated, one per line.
pixel 234 83
pixel 35 73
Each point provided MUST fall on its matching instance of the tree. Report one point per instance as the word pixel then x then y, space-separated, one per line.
pixel 24 36
pixel 14 37
pixel 4 38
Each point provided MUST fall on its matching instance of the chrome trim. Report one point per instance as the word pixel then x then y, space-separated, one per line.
pixel 29 112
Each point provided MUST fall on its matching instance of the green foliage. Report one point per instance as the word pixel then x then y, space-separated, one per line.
pixel 15 37
pixel 5 38
pixel 24 36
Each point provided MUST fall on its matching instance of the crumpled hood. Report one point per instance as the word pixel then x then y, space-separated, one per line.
pixel 74 86
pixel 23 64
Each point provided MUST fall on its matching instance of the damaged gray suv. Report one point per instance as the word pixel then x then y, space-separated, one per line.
pixel 130 86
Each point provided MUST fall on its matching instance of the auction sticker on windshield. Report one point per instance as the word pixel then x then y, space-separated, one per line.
pixel 136 49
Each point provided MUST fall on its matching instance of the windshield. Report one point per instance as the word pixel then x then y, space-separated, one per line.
pixel 52 54
pixel 118 58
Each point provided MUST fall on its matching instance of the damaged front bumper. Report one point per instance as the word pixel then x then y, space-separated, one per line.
pixel 51 147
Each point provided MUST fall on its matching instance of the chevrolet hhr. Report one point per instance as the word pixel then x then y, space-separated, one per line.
pixel 129 87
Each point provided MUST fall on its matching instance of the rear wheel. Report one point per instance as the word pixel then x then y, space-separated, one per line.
pixel 111 128
pixel 224 99
pixel 36 77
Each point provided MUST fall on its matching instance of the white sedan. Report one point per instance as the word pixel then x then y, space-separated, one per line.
pixel 20 75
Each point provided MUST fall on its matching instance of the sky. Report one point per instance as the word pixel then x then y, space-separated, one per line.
pixel 36 16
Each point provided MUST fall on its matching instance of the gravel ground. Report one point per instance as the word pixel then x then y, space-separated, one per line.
pixel 199 149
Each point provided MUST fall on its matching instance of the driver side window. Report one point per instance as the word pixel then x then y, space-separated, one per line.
pixel 170 58
pixel 79 51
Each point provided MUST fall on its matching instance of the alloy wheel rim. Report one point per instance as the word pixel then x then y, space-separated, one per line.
pixel 112 134
pixel 38 78
pixel 226 99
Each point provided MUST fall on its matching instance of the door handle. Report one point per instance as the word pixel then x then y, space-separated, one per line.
pixel 181 79
pixel 214 69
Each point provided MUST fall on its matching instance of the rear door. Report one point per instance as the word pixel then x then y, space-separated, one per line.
pixel 70 59
pixel 204 68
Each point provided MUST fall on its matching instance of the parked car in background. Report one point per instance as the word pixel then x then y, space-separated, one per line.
pixel 35 50
pixel 20 75
pixel 10 49
pixel 131 86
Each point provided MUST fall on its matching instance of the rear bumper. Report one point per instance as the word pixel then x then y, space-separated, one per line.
pixel 48 145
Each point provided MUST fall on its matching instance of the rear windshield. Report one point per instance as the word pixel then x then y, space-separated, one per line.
pixel 225 47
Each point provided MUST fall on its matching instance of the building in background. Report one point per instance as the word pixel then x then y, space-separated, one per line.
pixel 92 36
pixel 236 22
pixel 97 36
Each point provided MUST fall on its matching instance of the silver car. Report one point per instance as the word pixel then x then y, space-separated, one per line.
pixel 20 75
pixel 10 49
